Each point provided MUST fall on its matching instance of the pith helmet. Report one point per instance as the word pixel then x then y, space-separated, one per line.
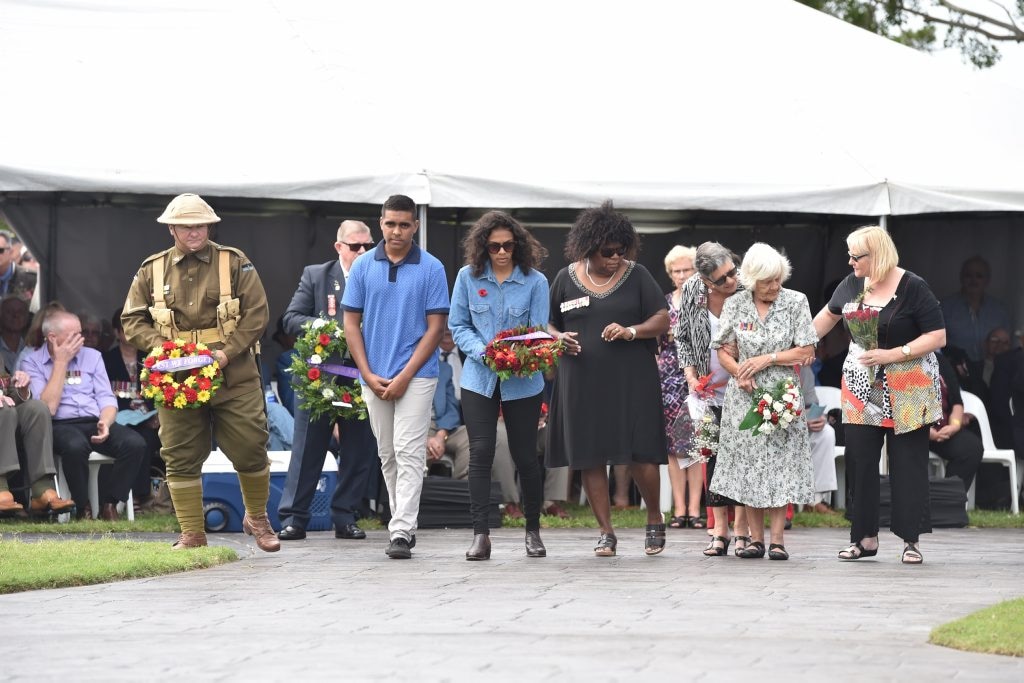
pixel 188 209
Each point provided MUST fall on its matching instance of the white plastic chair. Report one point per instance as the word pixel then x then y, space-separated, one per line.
pixel 1002 456
pixel 96 461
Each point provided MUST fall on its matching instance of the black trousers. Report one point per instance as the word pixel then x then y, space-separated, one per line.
pixel 908 477
pixel 71 442
pixel 521 417
pixel 962 453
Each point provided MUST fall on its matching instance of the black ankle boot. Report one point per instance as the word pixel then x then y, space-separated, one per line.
pixel 481 548
pixel 535 546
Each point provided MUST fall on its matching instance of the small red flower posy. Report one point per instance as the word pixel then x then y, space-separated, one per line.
pixel 482 292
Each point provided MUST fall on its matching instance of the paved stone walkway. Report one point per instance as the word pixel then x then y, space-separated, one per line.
pixel 323 609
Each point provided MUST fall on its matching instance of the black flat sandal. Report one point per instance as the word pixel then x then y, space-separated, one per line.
pixel 698 523
pixel 606 545
pixel 679 522
pixel 777 551
pixel 754 551
pixel 717 551
pixel 911 554
pixel 746 542
pixel 654 543
pixel 857 551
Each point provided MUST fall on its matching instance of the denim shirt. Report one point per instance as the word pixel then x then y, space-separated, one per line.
pixel 481 308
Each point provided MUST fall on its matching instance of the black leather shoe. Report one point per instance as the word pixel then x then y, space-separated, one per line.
pixel 481 548
pixel 535 546
pixel 291 533
pixel 350 531
pixel 398 549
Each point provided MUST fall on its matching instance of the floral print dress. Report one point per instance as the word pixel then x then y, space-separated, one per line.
pixel 678 427
pixel 763 471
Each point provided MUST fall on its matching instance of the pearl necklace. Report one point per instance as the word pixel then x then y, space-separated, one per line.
pixel 586 267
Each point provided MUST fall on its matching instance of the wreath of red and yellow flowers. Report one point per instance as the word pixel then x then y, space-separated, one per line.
pixel 180 389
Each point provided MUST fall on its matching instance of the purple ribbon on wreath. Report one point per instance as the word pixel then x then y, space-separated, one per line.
pixel 340 370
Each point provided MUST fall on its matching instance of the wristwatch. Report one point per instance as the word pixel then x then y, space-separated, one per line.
pixel 774 358
pixel 632 331
pixel 906 350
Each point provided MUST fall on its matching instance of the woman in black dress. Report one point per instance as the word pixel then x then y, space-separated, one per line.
pixel 889 393
pixel 606 402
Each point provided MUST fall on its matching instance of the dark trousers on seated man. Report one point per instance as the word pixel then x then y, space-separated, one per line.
pixel 358 455
pixel 71 441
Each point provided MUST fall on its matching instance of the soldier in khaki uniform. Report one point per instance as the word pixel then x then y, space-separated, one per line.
pixel 201 291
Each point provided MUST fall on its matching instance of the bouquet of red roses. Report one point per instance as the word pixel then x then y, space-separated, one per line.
pixel 863 324
pixel 522 352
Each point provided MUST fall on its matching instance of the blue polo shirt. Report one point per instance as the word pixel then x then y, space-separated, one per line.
pixel 395 300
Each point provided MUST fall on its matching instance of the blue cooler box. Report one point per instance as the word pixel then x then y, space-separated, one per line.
pixel 222 497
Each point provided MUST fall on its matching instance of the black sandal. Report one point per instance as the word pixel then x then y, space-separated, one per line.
pixel 746 542
pixel 777 551
pixel 606 545
pixel 911 554
pixel 679 522
pixel 754 551
pixel 654 543
pixel 857 551
pixel 715 551
pixel 698 523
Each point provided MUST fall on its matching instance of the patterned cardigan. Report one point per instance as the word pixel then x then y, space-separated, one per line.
pixel 693 330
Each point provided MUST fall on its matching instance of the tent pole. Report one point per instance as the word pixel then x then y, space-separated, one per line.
pixel 51 251
pixel 883 222
pixel 423 226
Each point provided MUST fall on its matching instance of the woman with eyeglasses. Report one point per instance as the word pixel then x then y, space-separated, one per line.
pixel 700 309
pixel 606 400
pixel 891 389
pixel 687 484
pixel 499 288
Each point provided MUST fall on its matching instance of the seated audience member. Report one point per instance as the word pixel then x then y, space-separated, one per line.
pixel 971 314
pixel 26 421
pixel 959 447
pixel 13 278
pixel 281 427
pixel 823 448
pixel 28 262
pixel 1008 387
pixel 453 357
pixel 34 335
pixel 71 380
pixel 92 331
pixel 122 364
pixel 14 319
pixel 448 444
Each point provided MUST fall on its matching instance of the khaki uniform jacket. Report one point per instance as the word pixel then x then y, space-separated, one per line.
pixel 192 292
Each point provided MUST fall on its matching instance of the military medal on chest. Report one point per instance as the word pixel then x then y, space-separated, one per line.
pixel 332 305
pixel 73 377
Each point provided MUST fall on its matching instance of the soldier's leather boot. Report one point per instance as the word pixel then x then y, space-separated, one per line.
pixel 258 527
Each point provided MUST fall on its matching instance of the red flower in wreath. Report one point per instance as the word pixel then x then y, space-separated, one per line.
pixel 482 292
pixel 313 374
pixel 324 340
pixel 203 383
pixel 169 346
pixel 149 362
pixel 346 397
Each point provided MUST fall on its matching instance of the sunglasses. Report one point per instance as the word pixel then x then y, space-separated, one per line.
pixel 607 252
pixel 857 258
pixel 356 246
pixel 495 247
pixel 721 281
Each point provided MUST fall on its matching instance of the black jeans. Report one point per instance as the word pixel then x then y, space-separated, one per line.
pixel 908 477
pixel 71 442
pixel 521 417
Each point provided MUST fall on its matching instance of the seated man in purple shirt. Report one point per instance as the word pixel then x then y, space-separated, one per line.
pixel 72 382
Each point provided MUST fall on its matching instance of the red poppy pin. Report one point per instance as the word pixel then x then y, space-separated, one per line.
pixel 482 292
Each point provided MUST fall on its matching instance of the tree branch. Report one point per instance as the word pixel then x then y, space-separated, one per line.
pixel 1013 34
pixel 979 16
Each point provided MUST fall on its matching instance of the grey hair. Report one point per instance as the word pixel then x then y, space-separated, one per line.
pixel 710 257
pixel 54 321
pixel 763 262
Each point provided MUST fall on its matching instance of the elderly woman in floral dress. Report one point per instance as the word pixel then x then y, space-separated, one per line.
pixel 773 331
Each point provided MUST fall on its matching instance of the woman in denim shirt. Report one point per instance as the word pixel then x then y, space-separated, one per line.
pixel 499 288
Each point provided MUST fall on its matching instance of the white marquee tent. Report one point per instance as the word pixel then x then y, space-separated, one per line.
pixel 745 105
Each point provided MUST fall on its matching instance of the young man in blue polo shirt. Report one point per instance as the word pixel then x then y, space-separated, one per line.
pixel 396 308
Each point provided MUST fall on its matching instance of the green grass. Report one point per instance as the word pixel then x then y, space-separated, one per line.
pixel 58 564
pixel 997 630
pixel 150 523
